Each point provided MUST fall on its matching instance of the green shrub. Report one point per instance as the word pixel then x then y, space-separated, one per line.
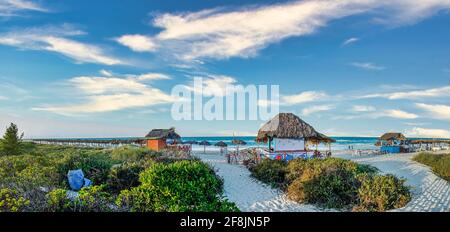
pixel 439 163
pixel 95 165
pixel 180 186
pixel 124 176
pixel 58 201
pixel 89 199
pixel 11 201
pixel 381 193
pixel 133 154
pixel 271 172
pixel 332 189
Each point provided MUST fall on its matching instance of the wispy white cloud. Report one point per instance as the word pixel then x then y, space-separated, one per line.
pixel 222 33
pixel 363 108
pixel 386 113
pixel 137 43
pixel 9 8
pixel 367 65
pixel 427 133
pixel 350 41
pixel 54 39
pixel 105 94
pixel 303 97
pixel 316 109
pixel 436 111
pixel 414 94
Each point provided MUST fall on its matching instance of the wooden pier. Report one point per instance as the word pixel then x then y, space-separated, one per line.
pixel 96 143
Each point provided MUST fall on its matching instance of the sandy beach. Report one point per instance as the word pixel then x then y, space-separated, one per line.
pixel 430 192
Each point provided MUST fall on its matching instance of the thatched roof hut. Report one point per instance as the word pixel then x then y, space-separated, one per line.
pixel 290 126
pixel 393 136
pixel 163 134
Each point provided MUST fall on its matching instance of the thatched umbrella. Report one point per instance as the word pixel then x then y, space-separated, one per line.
pixel 204 144
pixel 222 145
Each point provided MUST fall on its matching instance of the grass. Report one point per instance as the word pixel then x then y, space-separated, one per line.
pixel 439 163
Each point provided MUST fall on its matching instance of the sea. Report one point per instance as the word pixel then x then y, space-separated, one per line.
pixel 341 144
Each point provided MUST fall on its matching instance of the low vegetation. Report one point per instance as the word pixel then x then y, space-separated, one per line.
pixel 34 178
pixel 439 163
pixel 334 183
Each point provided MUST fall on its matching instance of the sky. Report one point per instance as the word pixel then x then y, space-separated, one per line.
pixel 79 68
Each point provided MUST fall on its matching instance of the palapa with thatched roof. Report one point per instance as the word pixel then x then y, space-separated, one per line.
pixel 157 138
pixel 290 126
pixel 163 134
pixel 393 136
pixel 291 136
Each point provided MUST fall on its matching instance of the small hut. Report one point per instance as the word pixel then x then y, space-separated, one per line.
pixel 391 142
pixel 290 134
pixel 157 139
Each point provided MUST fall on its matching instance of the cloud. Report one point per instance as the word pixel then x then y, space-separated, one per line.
pixel 363 108
pixel 106 73
pixel 350 41
pixel 397 114
pixel 308 96
pixel 315 109
pixel 427 133
pixel 367 65
pixel 213 85
pixel 389 113
pixel 9 8
pixel 436 111
pixel 152 76
pixel 104 94
pixel 3 98
pixel 53 39
pixel 222 33
pixel 137 43
pixel 415 94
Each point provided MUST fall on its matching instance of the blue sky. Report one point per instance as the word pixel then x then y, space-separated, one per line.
pixel 106 69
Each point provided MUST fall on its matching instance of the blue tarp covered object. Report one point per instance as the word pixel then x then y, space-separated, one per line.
pixel 77 180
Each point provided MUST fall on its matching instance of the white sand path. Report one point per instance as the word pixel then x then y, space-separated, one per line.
pixel 430 192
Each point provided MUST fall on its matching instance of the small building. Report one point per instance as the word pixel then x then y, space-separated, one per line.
pixel 392 142
pixel 290 137
pixel 157 139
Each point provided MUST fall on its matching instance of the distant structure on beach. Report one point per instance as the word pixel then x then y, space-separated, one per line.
pixel 157 139
pixel 392 142
pixel 291 137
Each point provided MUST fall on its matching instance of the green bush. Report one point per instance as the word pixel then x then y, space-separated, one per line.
pixel 439 163
pixel 271 172
pixel 124 176
pixel 133 154
pixel 95 165
pixel 332 189
pixel 331 183
pixel 180 186
pixel 11 201
pixel 381 193
pixel 89 199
